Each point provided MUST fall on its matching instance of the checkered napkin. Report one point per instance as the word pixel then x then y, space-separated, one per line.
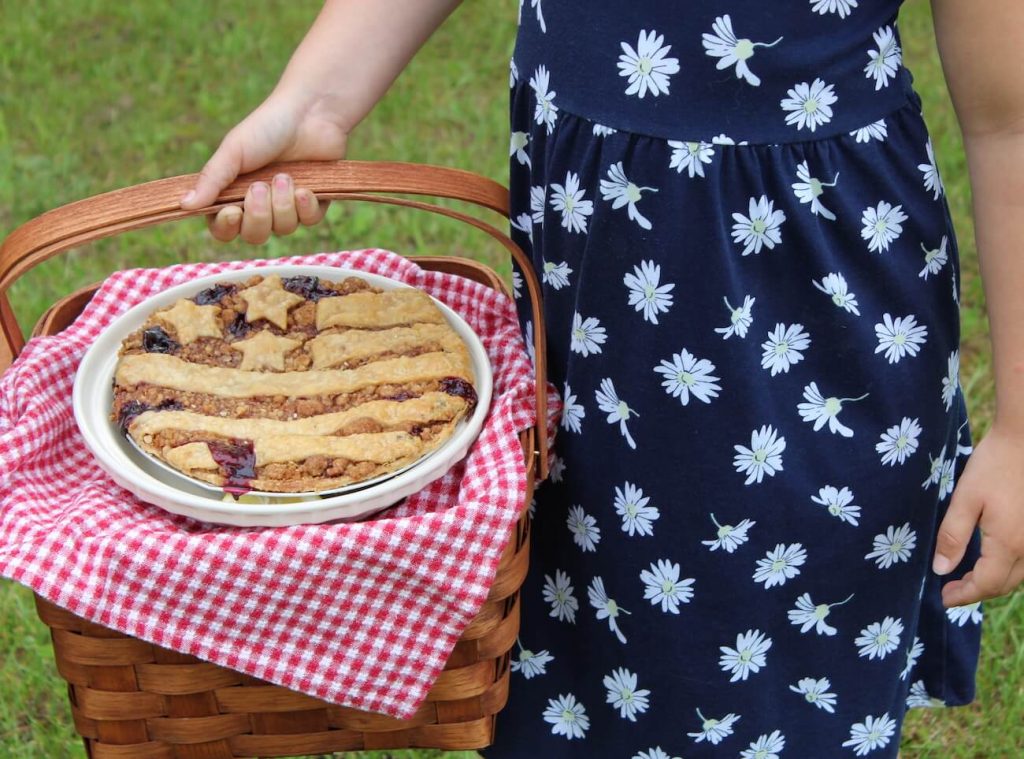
pixel 362 614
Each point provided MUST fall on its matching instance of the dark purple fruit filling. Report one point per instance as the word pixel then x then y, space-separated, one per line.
pixel 459 387
pixel 132 409
pixel 155 340
pixel 308 287
pixel 239 327
pixel 213 295
pixel 237 462
pixel 401 395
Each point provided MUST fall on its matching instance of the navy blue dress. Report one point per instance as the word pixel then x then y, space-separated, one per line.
pixel 751 296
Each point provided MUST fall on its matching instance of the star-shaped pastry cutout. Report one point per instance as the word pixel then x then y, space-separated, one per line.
pixel 190 322
pixel 264 350
pixel 269 300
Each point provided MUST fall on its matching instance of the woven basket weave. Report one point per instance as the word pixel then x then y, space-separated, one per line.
pixel 134 700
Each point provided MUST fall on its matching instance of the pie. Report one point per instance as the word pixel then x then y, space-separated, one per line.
pixel 294 384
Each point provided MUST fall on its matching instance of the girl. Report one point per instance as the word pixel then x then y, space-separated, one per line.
pixel 760 533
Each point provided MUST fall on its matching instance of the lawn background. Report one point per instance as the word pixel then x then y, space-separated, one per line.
pixel 99 94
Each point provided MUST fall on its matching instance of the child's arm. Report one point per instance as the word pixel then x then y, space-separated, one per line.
pixel 982 50
pixel 350 56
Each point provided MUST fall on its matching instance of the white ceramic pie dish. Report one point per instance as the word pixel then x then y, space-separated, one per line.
pixel 156 483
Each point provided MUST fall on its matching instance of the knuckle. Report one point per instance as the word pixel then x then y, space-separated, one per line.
pixel 949 540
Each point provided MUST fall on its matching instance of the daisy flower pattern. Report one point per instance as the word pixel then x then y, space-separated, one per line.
pixel 537 195
pixel 624 695
pixel 918 698
pixel 663 586
pixel 816 692
pixel 646 293
pixel 573 413
pixel 760 228
pixel 883 224
pixel 765 747
pixel 714 731
pixel 893 546
pixel 834 285
pixel 913 654
pixel 531 664
pixel 558 593
pixel 876 130
pixel 900 337
pixel 782 563
pixel 951 382
pixel 930 172
pixel 809 105
pixel 556 275
pixel 690 157
pixel 764 456
pixel 841 7
pixel 587 335
pixel 935 259
pixel 873 733
pixel 585 532
pixel 617 410
pixel 820 410
pixel 784 347
pixel 723 44
pixel 545 112
pixel 606 607
pixel 740 318
pixel 618 189
pixel 961 615
pixel 808 614
pixel 632 505
pixel 839 503
pixel 899 441
pixel 517 147
pixel 748 657
pixel 654 753
pixel 686 375
pixel 884 61
pixel 568 200
pixel 729 537
pixel 540 14
pixel 879 639
pixel 809 189
pixel 648 67
pixel 567 717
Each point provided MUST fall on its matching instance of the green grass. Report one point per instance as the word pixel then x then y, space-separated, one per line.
pixel 98 94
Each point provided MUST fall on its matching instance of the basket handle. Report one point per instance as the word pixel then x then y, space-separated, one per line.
pixel 155 202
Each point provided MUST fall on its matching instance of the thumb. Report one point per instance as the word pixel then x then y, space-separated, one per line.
pixel 220 171
pixel 956 530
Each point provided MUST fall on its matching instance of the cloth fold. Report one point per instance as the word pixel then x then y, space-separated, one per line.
pixel 360 614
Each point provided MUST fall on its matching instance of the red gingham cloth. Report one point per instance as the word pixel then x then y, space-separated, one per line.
pixel 362 614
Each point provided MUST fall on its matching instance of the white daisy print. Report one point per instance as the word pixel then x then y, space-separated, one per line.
pixel 961 615
pixel 842 7
pixel 729 537
pixel 808 614
pixel 690 157
pixel 573 413
pixel 723 44
pixel 648 67
pixel 618 189
pixel 617 410
pixel 932 180
pixel 913 654
pixel 839 503
pixel 900 337
pixel 873 733
pixel 764 456
pixel 513 70
pixel 558 593
pixel 545 112
pixel 663 586
pixel 942 474
pixel 749 655
pixel 517 147
pixel 816 691
pixel 819 409
pixel 686 375
pixel 606 607
pixel 918 698
pixel 530 663
pixel 780 564
pixel 557 468
pixel 600 130
pixel 567 717
pixel 879 639
pixel 740 318
pixel 537 201
pixel 882 225
pixel 714 731
pixel 809 189
pixel 894 546
pixel 568 200
pixel 885 60
pixel 524 224
pixel 646 293
pixel 765 747
pixel 587 335
pixel 834 285
pixel 760 228
pixel 540 15
pixel 517 284
pixel 935 259
pixel 724 139
pixel 876 130
pixel 624 695
pixel 556 274
pixel 809 105
pixel 654 753
pixel 936 468
pixel 899 441
pixel 530 347
pixel 784 347
pixel 585 532
pixel 632 505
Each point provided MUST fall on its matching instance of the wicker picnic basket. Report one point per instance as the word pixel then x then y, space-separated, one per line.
pixel 131 699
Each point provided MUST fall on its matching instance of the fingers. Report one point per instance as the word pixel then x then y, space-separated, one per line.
pixel 310 210
pixel 220 171
pixel 956 530
pixel 276 208
pixel 257 217
pixel 996 573
pixel 282 204
pixel 226 225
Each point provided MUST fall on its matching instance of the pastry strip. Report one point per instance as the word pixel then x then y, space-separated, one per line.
pixel 394 308
pixel 336 348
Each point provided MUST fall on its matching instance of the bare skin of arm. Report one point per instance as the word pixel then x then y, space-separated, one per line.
pixel 981 46
pixel 349 57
